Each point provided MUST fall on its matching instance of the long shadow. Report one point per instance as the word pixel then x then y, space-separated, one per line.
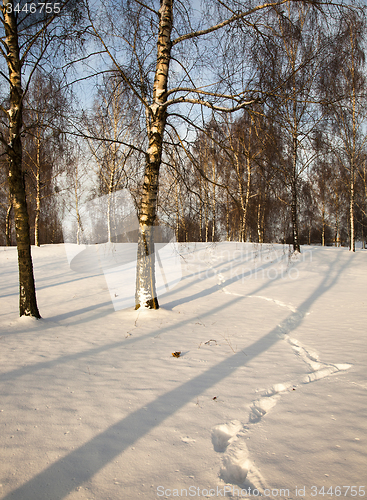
pixel 83 310
pixel 80 278
pixel 238 275
pixel 44 279
pixel 95 310
pixel 234 263
pixel 98 314
pixel 27 370
pixel 79 466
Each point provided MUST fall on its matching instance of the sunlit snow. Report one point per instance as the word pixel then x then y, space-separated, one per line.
pixel 268 396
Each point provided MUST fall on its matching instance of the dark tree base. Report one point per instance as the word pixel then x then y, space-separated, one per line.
pixel 150 304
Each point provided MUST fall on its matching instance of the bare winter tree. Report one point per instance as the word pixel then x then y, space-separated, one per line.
pixel 344 87
pixel 362 171
pixel 6 207
pixel 111 126
pixel 158 51
pixel 29 31
pixel 44 142
pixel 73 190
pixel 289 65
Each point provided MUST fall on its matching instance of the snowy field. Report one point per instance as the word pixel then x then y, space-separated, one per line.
pixel 267 398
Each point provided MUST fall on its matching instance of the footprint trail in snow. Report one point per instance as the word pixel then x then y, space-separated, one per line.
pixel 229 438
pixel 237 467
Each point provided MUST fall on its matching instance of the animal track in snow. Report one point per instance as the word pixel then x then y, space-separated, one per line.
pixel 221 280
pixel 237 467
pixel 262 406
pixel 224 433
pixel 277 302
pixel 228 439
pixel 319 369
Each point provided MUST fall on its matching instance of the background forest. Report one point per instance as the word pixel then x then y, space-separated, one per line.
pixel 224 176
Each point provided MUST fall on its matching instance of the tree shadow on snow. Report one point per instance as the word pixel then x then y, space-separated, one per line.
pixel 238 273
pixel 80 465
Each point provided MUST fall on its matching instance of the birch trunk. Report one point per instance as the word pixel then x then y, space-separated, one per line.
pixel 337 235
pixel 364 241
pixel 78 218
pixel 262 226
pixel 294 208
pixel 27 292
pixel 214 202
pixel 177 209
pixel 353 157
pixel 200 212
pixel 8 224
pixel 351 210
pixel 259 221
pixel 110 201
pixel 206 211
pixel 247 199
pixel 38 194
pixel 296 246
pixel 323 223
pixel 145 295
pixel 227 218
pixel 242 196
pixel 114 168
pixel 183 221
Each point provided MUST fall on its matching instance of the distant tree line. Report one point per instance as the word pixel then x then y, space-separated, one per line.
pixel 292 167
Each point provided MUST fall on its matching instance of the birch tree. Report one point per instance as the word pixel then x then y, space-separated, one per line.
pixel 44 143
pixel 289 67
pixel 6 207
pixel 112 124
pixel 26 39
pixel 344 88
pixel 155 51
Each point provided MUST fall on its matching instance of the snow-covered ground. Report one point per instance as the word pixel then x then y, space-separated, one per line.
pixel 268 396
